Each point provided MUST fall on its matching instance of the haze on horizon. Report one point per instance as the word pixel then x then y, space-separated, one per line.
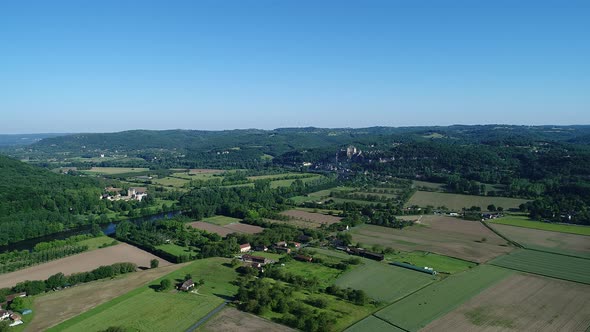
pixel 69 66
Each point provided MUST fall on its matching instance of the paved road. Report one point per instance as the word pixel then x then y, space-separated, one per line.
pixel 206 318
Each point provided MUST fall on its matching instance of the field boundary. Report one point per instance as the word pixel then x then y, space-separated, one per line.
pixel 516 244
pixel 526 247
pixel 207 317
pixel 390 323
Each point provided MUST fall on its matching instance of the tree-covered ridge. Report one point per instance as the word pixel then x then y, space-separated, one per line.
pixel 36 202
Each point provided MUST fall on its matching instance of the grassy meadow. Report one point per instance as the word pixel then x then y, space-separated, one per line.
pixel 145 309
pixel 524 221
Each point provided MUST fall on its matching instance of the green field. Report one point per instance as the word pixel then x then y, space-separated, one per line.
pixel 414 312
pixel 524 221
pixel 373 324
pixel 221 220
pixel 115 170
pixel 144 309
pixel 325 275
pixel 170 182
pixel 97 242
pixel 458 201
pixel 287 183
pixel 382 281
pixel 547 264
pixel 440 263
pixel 278 176
pixel 429 185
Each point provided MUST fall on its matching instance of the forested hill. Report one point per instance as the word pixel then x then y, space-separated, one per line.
pixel 36 202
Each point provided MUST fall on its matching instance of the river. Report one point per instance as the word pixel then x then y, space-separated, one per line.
pixel 107 229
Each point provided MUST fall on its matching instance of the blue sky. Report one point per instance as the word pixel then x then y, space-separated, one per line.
pixel 102 66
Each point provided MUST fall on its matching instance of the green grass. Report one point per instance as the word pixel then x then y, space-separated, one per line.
pixel 144 309
pixel 458 201
pixel 325 275
pixel 96 242
pixel 170 182
pixel 373 324
pixel 429 185
pixel 524 221
pixel 357 201
pixel 547 264
pixel 382 281
pixel 416 311
pixel 221 220
pixel 115 170
pixel 440 263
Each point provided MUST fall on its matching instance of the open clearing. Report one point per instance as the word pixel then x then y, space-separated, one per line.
pixel 524 221
pixel 144 309
pixel 435 300
pixel 83 262
pixel 221 220
pixel 115 170
pixel 443 235
pixel 440 263
pixel 227 229
pixel 382 281
pixel 53 308
pixel 522 303
pixel 547 264
pixel 194 171
pixel 233 320
pixel 317 218
pixel 535 238
pixel 458 201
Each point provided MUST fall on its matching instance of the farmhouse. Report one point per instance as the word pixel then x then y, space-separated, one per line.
pixel 136 193
pixel 304 258
pixel 364 253
pixel 4 314
pixel 187 285
pixel 255 259
pixel 283 249
pixel 261 248
pixel 245 247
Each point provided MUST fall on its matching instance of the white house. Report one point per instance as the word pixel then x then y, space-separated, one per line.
pixel 245 247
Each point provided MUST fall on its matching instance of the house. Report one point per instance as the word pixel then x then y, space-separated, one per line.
pixel 261 248
pixel 245 247
pixel 136 193
pixel 187 285
pixel 283 249
pixel 11 297
pixel 304 258
pixel 15 316
pixel 4 314
pixel 255 259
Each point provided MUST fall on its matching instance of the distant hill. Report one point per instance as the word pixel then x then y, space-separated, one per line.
pixel 24 139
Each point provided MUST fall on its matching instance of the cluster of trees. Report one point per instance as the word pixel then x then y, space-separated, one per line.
pixel 59 280
pixel 42 252
pixel 259 295
pixel 35 202
pixel 356 296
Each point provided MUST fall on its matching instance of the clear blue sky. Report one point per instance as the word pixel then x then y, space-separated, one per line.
pixel 87 66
